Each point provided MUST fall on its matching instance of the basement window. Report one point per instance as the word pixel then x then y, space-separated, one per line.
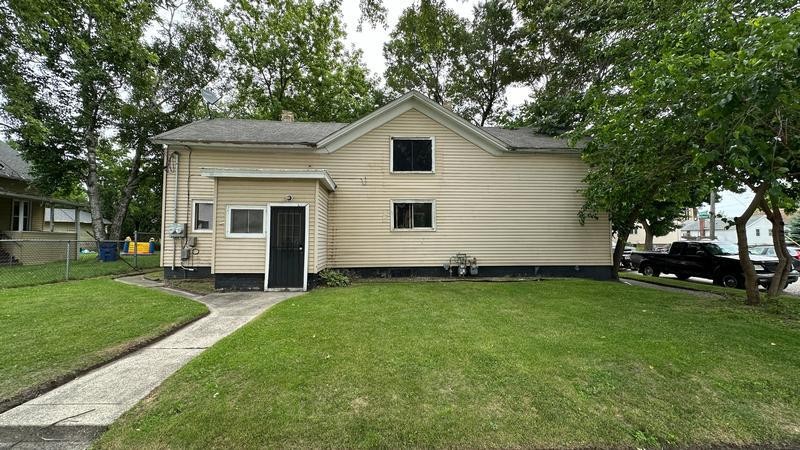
pixel 412 155
pixel 413 215
pixel 245 222
pixel 203 215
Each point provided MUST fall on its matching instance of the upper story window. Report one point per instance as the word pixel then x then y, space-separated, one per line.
pixel 412 155
pixel 203 215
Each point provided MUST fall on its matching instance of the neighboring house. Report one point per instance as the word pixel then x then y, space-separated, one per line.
pixel 638 235
pixel 402 191
pixel 64 222
pixel 22 214
pixel 759 230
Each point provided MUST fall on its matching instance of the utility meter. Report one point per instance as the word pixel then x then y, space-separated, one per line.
pixel 177 230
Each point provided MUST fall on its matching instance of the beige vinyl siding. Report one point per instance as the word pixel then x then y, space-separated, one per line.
pixel 321 228
pixel 510 210
pixel 200 188
pixel 246 255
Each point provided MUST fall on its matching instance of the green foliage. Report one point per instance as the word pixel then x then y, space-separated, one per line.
pixel 425 50
pixel 87 83
pixel 334 278
pixel 447 58
pixel 290 55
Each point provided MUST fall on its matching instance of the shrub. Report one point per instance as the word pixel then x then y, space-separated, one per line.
pixel 334 278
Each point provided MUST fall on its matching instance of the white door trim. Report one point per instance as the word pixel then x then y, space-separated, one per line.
pixel 266 245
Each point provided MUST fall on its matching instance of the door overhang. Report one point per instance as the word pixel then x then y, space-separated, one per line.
pixel 273 174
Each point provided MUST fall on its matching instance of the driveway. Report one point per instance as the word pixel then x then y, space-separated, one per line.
pixel 71 415
pixel 793 289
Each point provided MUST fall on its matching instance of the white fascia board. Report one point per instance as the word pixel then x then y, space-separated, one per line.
pixel 284 174
pixel 412 100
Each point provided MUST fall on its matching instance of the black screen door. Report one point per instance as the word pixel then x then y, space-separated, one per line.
pixel 287 247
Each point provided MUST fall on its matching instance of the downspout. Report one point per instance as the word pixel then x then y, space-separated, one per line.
pixel 177 157
pixel 189 211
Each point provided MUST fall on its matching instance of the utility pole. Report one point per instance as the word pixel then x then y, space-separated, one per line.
pixel 713 214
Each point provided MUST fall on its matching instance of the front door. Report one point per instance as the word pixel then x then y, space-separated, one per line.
pixel 287 247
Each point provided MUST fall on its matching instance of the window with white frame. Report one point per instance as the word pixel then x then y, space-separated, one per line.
pixel 245 221
pixel 413 215
pixel 203 213
pixel 412 154
pixel 21 215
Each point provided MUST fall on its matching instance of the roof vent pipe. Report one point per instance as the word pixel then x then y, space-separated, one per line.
pixel 448 104
pixel 287 116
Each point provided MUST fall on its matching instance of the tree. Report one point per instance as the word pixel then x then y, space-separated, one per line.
pixel 81 77
pixel 492 61
pixel 722 95
pixel 426 50
pixel 572 46
pixel 289 55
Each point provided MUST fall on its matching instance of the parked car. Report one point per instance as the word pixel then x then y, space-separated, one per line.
pixel 769 250
pixel 626 256
pixel 716 261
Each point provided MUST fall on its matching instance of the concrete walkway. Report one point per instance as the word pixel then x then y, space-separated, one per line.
pixel 72 415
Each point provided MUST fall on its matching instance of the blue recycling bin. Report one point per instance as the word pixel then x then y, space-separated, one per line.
pixel 108 251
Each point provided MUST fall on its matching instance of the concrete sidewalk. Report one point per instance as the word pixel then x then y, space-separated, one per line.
pixel 72 415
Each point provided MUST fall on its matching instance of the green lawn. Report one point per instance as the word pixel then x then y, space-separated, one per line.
pixel 50 332
pixel 518 364
pixel 87 266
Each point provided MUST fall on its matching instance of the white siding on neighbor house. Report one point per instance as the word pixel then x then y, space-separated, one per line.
pixel 247 255
pixel 511 210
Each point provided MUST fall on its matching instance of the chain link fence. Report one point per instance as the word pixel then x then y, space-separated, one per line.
pixel 25 262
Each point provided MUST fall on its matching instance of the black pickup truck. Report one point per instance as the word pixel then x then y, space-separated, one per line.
pixel 713 260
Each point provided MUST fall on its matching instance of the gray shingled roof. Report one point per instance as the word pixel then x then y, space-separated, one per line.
pixel 12 165
pixel 524 138
pixel 242 131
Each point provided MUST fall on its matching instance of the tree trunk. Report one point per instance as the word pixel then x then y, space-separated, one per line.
pixel 648 236
pixel 773 211
pixel 619 248
pixel 750 277
pixel 93 189
pixel 121 211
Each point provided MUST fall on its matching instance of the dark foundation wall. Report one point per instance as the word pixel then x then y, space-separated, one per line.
pixel 590 272
pixel 255 281
pixel 198 272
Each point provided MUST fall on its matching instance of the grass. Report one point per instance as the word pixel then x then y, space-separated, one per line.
pixel 787 306
pixel 87 266
pixel 525 364
pixel 54 331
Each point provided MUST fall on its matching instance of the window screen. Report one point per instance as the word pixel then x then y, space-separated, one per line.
pixel 412 155
pixel 408 216
pixel 203 213
pixel 246 221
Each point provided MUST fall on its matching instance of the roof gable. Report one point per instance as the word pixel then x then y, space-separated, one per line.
pixel 409 101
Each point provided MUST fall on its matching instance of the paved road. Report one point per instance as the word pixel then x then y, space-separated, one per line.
pixel 72 415
pixel 793 289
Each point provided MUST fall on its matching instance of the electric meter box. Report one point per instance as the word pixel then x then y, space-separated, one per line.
pixel 177 230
